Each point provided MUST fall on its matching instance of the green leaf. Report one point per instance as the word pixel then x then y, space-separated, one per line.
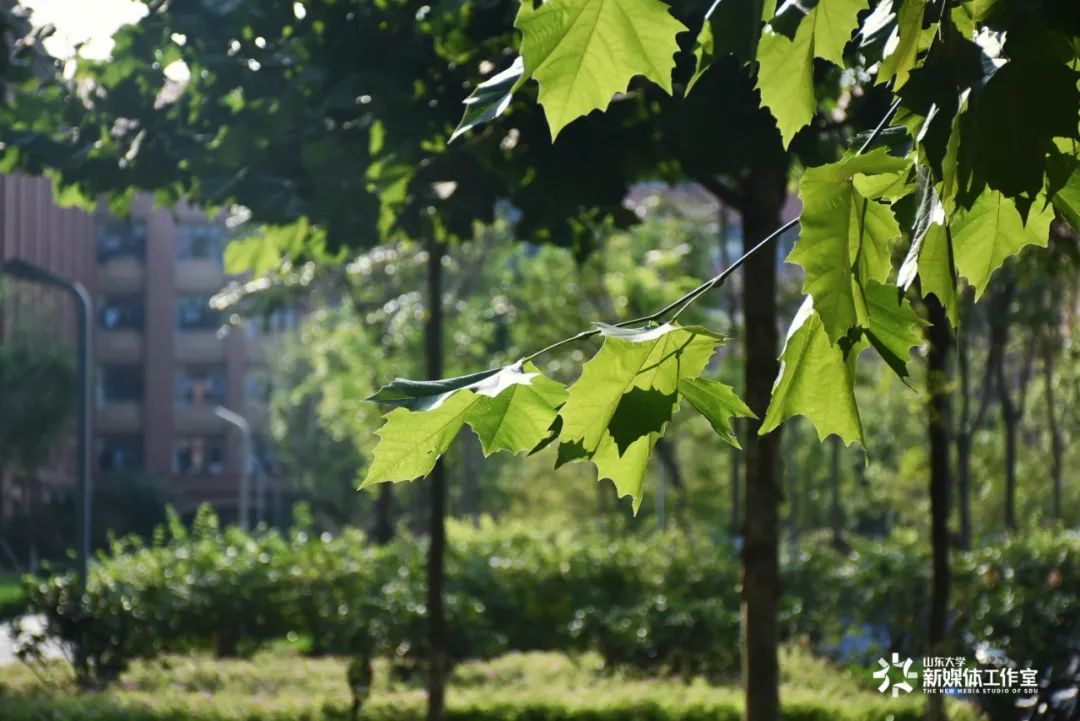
pixel 929 256
pixel 718 403
pixel 583 52
pixel 1067 200
pixel 991 231
pixel 519 417
pixel 491 98
pixel 626 395
pixel 845 238
pixel 427 395
pixel 625 470
pixel 901 60
pixel 816 381
pixel 786 65
pixel 894 326
pixel 411 441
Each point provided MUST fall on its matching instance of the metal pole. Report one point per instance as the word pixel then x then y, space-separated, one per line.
pixel 244 500
pixel 84 309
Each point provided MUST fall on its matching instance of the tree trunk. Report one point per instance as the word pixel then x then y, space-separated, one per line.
pixel 433 350
pixel 963 444
pixel 836 509
pixel 1057 446
pixel 764 193
pixel 734 454
pixel 665 448
pixel 384 515
pixel 938 426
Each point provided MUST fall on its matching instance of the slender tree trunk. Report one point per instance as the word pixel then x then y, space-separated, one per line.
pixel 963 443
pixel 764 193
pixel 1057 446
pixel 938 426
pixel 734 454
pixel 433 349
pixel 665 448
pixel 1010 411
pixel 836 509
pixel 384 514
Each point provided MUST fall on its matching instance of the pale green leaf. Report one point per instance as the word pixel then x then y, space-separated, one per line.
pixel 845 238
pixel 816 381
pixel 428 395
pixel 894 326
pixel 411 441
pixel 648 359
pixel 718 403
pixel 583 52
pixel 786 65
pixel 625 470
pixel 899 63
pixel 1067 200
pixel 626 395
pixel 519 417
pixel 993 230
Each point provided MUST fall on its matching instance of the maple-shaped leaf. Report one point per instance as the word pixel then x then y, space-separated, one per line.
pixel 510 408
pixel 584 52
pixel 894 327
pixel 520 416
pixel 719 404
pixel 817 380
pixel 845 238
pixel 992 230
pixel 647 359
pixel 786 64
pixel 411 441
pixel 625 397
pixel 903 47
pixel 626 468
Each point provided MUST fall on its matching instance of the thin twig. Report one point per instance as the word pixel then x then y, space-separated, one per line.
pixel 684 302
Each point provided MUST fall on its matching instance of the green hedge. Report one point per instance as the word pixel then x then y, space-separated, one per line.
pixel 643 601
pixel 514 687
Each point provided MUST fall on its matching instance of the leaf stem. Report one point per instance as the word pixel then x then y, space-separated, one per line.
pixel 682 303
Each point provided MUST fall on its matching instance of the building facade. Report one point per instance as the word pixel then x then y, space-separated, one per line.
pixel 164 359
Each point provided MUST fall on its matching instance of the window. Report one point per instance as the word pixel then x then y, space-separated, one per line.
pixel 121 312
pixel 201 241
pixel 121 240
pixel 119 453
pixel 193 312
pixel 199 456
pixel 199 386
pixel 119 384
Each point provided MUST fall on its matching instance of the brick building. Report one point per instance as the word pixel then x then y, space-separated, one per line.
pixel 164 360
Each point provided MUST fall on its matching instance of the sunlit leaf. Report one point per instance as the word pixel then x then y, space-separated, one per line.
pixel 718 403
pixel 816 381
pixel 584 52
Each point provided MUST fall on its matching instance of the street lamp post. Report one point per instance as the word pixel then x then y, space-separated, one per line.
pixel 24 270
pixel 241 424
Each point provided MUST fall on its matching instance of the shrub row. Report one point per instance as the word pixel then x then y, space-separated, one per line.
pixel 645 601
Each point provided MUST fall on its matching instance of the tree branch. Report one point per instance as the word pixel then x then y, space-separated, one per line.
pixel 682 303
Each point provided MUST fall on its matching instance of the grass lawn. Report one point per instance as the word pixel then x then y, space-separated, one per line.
pixel 282 685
